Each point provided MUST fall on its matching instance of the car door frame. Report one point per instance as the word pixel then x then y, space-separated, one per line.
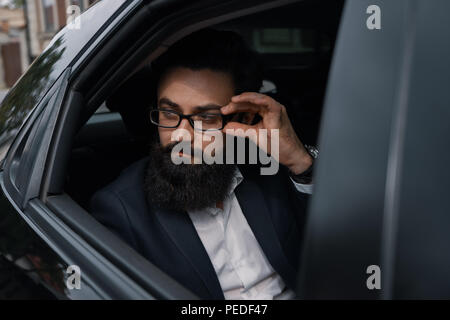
pixel 362 224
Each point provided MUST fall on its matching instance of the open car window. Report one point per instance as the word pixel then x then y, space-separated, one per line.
pixel 296 58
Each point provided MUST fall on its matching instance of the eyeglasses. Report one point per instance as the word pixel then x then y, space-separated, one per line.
pixel 210 121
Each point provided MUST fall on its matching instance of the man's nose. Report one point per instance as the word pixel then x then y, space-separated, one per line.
pixel 184 132
pixel 184 124
pixel 188 130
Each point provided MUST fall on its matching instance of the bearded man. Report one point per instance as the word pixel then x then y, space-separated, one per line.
pixel 222 230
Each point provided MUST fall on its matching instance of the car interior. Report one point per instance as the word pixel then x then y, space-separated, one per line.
pixel 296 45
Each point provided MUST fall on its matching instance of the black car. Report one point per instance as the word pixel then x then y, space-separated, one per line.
pixel 374 99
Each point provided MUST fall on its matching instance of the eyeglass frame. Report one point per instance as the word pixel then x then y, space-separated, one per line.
pixel 225 119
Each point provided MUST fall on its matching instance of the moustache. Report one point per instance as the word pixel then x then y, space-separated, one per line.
pixel 186 145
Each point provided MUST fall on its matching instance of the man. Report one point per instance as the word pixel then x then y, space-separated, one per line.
pixel 221 230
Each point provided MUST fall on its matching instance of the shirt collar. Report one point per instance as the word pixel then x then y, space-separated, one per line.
pixel 236 180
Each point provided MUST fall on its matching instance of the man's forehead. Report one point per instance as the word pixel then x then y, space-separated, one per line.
pixel 196 81
pixel 165 101
pixel 179 93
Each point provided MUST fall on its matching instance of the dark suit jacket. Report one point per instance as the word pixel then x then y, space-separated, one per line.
pixel 274 209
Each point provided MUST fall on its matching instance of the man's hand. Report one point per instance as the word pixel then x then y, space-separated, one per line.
pixel 292 153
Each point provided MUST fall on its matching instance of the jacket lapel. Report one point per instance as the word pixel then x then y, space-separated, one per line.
pixel 260 220
pixel 181 230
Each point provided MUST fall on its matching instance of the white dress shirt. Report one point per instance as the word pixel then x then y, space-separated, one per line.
pixel 242 268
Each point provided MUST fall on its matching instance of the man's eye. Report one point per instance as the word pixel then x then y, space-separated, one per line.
pixel 208 116
pixel 168 115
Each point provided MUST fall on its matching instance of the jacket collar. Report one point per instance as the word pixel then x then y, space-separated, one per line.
pixel 181 230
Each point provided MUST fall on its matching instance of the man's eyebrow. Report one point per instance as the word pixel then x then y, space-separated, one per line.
pixel 209 106
pixel 169 103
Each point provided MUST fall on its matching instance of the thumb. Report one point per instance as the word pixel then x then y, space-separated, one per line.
pixel 238 129
pixel 241 130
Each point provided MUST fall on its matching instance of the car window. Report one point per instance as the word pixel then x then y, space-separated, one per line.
pixel 109 146
pixel 17 162
pixel 106 153
pixel 25 160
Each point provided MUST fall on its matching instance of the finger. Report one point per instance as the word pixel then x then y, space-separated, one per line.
pixel 249 96
pixel 243 107
pixel 257 98
pixel 239 129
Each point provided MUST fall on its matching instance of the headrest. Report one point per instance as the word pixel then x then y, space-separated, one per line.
pixel 133 100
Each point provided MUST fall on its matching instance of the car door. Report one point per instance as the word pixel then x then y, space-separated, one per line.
pixel 21 182
pixel 380 206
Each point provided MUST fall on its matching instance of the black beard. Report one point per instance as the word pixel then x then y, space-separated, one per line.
pixel 185 187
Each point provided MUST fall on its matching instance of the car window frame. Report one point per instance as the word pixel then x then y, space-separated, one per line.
pixel 36 132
